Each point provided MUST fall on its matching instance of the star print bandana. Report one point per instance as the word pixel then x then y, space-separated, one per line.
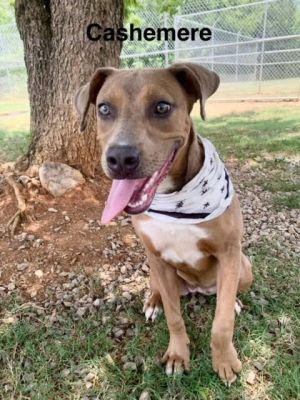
pixel 203 198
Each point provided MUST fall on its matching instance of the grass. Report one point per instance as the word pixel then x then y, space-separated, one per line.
pixel 45 361
pixel 252 135
pixel 269 88
pixel 269 141
pixel 14 136
pixel 17 106
pixel 14 126
pixel 291 201
pixel 41 360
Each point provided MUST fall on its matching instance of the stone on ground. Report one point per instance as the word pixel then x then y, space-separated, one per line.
pixel 58 178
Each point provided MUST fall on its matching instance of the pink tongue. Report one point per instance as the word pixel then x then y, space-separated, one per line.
pixel 119 196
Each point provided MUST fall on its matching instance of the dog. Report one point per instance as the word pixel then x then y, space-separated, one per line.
pixel 179 194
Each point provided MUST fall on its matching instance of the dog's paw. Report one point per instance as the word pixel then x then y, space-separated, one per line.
pixel 238 306
pixel 152 307
pixel 151 313
pixel 227 365
pixel 177 356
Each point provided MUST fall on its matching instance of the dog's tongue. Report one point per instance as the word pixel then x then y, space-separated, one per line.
pixel 119 196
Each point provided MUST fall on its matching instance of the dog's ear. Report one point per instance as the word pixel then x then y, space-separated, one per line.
pixel 198 82
pixel 87 94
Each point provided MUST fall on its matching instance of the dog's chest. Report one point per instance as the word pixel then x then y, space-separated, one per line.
pixel 175 243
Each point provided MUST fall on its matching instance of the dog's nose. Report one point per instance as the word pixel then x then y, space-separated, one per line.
pixel 122 160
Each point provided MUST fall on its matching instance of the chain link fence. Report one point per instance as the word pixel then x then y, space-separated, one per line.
pixel 255 48
pixel 13 74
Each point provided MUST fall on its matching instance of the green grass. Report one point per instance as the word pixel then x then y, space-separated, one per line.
pixel 269 141
pixel 14 127
pixel 14 136
pixel 252 135
pixel 291 201
pixel 43 361
pixel 39 353
pixel 18 106
pixel 16 99
pixel 270 88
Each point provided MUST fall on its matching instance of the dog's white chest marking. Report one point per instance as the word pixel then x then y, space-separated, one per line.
pixel 176 243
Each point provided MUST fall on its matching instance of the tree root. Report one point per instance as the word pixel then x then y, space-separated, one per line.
pixel 23 213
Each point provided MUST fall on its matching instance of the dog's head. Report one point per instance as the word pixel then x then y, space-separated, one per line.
pixel 143 122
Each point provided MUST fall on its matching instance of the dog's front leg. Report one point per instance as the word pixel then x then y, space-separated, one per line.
pixel 167 282
pixel 224 355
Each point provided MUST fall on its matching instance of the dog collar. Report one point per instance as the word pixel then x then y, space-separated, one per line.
pixel 203 198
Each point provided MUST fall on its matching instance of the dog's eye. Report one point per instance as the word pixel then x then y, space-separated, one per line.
pixel 162 108
pixel 104 109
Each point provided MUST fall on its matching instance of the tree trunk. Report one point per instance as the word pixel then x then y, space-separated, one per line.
pixel 59 58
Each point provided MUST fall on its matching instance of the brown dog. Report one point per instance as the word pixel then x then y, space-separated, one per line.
pixel 149 148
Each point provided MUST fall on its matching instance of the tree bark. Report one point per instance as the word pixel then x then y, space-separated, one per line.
pixel 59 58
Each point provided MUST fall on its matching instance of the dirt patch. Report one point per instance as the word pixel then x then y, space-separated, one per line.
pixel 65 238
pixel 67 258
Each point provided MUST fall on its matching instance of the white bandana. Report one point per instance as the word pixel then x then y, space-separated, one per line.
pixel 203 198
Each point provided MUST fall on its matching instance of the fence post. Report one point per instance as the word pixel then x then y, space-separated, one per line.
pixel 237 56
pixel 166 41
pixel 256 61
pixel 263 46
pixel 213 49
pixel 176 42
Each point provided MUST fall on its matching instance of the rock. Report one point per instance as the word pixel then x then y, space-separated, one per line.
pixel 145 268
pixel 65 372
pixel 139 361
pixel 145 395
pixel 118 333
pixel 22 266
pixel 38 242
pixel 259 366
pixel 24 179
pixel 130 333
pixel 124 222
pixel 124 322
pixel 251 377
pixel 11 286
pixel 22 236
pixel 52 210
pixel 130 365
pixel 105 319
pixel 81 311
pixel 123 269
pixel 97 303
pixel 58 178
pixel 127 296
pixel 90 377
pixel 10 320
pixel 39 273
